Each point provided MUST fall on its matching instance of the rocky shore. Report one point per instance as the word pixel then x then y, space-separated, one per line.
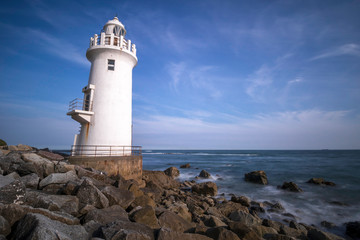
pixel 42 196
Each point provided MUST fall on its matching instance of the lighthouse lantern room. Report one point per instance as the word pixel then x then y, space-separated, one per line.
pixel 105 112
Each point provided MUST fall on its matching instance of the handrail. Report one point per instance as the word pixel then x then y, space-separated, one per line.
pixel 80 104
pixel 105 150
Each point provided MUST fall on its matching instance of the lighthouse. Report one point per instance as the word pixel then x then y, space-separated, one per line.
pixel 105 111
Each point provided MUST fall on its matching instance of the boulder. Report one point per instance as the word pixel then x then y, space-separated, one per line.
pixel 228 207
pixel 206 188
pixel 5 228
pixel 174 222
pixel 263 230
pixel 11 190
pixel 106 215
pixel 292 232
pixel 316 234
pixel 100 177
pixel 118 196
pixel 88 194
pixel 143 201
pixel 245 217
pixel 172 172
pixel 320 181
pixel 181 209
pixel 273 224
pixel 204 174
pixel 290 186
pixel 11 162
pixel 64 203
pixel 31 180
pixel 187 165
pixel 71 187
pixel 160 178
pixel 167 234
pixel 36 226
pixel 256 177
pixel 221 233
pixel 243 231
pixel 243 200
pixel 353 229
pixel 58 178
pixel 44 167
pixel 50 155
pixel 13 148
pixel 22 147
pixel 123 229
pixel 145 215
pixel 275 236
pixel 212 221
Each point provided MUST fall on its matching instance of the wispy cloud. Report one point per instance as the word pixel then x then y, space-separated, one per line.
pixel 202 78
pixel 351 49
pixel 312 129
pixel 59 47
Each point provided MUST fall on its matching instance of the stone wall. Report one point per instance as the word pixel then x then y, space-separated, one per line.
pixel 129 167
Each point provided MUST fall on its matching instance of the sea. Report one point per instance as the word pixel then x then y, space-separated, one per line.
pixel 336 204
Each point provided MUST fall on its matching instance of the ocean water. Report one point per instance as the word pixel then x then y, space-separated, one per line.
pixel 337 204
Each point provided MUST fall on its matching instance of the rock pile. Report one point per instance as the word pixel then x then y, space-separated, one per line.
pixel 42 197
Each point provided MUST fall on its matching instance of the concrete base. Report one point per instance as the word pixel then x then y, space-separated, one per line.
pixel 129 167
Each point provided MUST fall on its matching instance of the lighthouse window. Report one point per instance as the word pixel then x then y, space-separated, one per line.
pixel 111 64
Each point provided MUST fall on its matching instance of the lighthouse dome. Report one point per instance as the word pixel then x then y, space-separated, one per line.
pixel 114 26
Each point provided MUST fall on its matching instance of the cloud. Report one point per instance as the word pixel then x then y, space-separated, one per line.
pixel 296 80
pixel 307 129
pixel 351 49
pixel 59 47
pixel 259 81
pixel 185 75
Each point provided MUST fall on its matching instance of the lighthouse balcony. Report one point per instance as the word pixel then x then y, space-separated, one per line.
pixel 112 41
pixel 80 110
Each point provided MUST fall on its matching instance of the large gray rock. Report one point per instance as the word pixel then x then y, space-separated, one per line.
pixel 11 190
pixel 63 203
pixel 320 181
pixel 167 234
pixel 44 167
pixel 221 233
pixel 243 231
pixel 36 226
pixel 243 200
pixel 182 210
pixel 22 147
pixel 174 222
pixel 106 215
pixel 204 174
pixel 118 196
pixel 88 194
pixel 50 155
pixel 160 178
pixel 212 221
pixel 143 201
pixel 228 207
pixel 206 188
pixel 126 230
pixel 11 162
pixel 256 177
pixel 31 180
pixel 172 172
pixel 100 177
pixel 291 186
pixel 244 217
pixel 316 234
pixel 145 215
pixel 58 178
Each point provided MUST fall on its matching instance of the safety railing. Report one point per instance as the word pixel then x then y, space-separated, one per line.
pixel 105 150
pixel 80 104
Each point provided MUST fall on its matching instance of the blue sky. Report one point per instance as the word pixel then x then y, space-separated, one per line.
pixel 211 74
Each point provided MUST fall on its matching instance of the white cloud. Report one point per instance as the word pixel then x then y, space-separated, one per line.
pixel 351 49
pixel 308 129
pixel 59 47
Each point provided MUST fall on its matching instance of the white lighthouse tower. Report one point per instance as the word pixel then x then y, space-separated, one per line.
pixel 105 112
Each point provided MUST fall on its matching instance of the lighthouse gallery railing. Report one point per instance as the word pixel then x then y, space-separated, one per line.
pixel 103 150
